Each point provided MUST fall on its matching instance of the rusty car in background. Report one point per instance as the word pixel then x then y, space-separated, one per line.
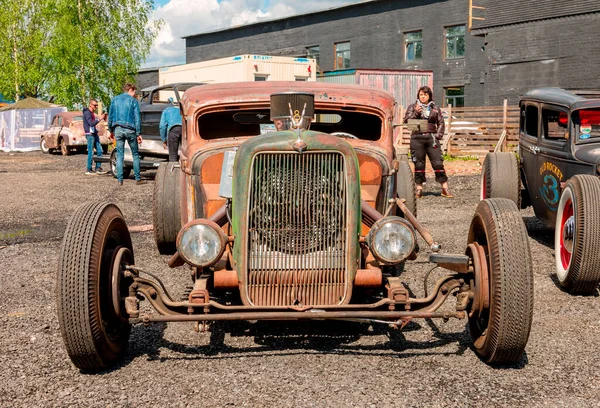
pixel 557 172
pixel 288 203
pixel 66 134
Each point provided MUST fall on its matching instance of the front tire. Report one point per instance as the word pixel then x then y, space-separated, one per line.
pixel 500 177
pixel 577 236
pixel 166 211
pixel 500 330
pixel 405 186
pixel 95 333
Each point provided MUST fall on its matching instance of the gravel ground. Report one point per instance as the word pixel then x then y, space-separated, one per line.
pixel 323 364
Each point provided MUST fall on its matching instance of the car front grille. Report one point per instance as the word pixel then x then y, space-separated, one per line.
pixel 297 235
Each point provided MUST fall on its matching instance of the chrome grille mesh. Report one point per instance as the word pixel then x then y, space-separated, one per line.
pixel 297 229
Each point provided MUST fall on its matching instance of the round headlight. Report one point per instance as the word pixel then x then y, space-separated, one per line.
pixel 201 243
pixel 391 240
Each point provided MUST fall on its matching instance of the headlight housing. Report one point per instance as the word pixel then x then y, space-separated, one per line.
pixel 201 243
pixel 391 240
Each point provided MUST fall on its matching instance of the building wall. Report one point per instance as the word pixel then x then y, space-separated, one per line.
pixel 559 52
pixel 376 34
pixel 146 78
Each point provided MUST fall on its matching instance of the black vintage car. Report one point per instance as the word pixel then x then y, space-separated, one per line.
pixel 556 172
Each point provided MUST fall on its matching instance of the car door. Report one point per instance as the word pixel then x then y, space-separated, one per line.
pixel 554 159
pixel 52 141
pixel 528 149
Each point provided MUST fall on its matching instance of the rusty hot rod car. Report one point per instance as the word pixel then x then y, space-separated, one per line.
pixel 279 222
pixel 67 135
pixel 557 172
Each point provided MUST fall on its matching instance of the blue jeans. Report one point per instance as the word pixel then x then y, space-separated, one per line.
pixel 122 135
pixel 93 142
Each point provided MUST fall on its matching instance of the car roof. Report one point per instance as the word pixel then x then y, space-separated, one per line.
pixel 68 117
pixel 554 95
pixel 259 92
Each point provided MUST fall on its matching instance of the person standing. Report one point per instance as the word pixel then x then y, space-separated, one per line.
pixel 427 142
pixel 90 121
pixel 170 131
pixel 125 125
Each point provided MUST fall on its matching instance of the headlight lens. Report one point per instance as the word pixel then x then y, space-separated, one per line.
pixel 391 240
pixel 201 243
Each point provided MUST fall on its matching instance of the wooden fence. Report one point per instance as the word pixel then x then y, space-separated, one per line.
pixel 475 131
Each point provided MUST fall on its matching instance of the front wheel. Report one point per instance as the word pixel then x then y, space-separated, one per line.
pixel 501 313
pixel 90 290
pixel 501 178
pixel 405 186
pixel 166 212
pixel 577 236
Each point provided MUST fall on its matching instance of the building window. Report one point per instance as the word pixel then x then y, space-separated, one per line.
pixel 314 52
pixel 413 46
pixel 454 96
pixel 342 56
pixel 259 77
pixel 455 42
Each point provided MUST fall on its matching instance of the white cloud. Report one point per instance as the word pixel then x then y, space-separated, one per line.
pixel 184 17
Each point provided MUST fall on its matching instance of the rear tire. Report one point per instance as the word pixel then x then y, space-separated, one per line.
pixel 501 330
pixel 94 333
pixel 43 146
pixel 500 177
pixel 405 186
pixel 166 211
pixel 577 236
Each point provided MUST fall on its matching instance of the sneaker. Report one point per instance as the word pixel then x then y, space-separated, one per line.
pixel 90 173
pixel 120 182
pixel 446 193
pixel 419 193
pixel 140 182
pixel 100 170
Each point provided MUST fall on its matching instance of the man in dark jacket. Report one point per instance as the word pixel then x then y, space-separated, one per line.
pixel 90 121
pixel 125 124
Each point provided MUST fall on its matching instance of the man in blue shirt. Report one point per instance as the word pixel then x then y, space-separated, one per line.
pixel 90 121
pixel 170 131
pixel 125 124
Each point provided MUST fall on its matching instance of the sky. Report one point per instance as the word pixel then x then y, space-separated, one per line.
pixel 188 17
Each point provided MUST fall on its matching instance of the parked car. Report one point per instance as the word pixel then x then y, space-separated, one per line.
pixel 153 101
pixel 556 172
pixel 279 222
pixel 67 135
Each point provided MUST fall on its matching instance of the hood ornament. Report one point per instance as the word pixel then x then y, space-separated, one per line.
pixel 293 111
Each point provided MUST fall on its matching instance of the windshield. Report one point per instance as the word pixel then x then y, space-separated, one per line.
pixel 587 124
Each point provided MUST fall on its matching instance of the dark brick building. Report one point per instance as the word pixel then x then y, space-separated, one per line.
pixel 518 45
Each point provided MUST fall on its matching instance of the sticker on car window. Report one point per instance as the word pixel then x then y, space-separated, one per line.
pixel 585 129
pixel 584 136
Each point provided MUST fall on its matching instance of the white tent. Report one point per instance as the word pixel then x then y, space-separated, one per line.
pixel 22 123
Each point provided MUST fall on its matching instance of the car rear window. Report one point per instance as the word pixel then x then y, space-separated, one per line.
pixel 587 124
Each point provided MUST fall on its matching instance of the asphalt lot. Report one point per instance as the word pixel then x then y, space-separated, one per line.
pixel 319 364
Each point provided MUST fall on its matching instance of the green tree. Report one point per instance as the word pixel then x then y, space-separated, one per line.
pixel 24 36
pixel 72 50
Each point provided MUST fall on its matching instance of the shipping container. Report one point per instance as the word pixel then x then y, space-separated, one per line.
pixel 241 68
pixel 403 84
